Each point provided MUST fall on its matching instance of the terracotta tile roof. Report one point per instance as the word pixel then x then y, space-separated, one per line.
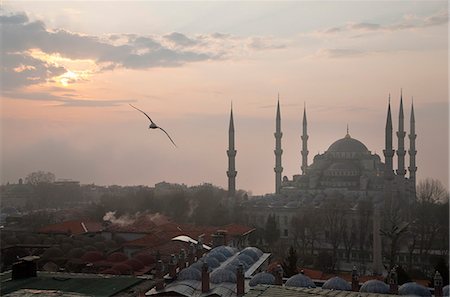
pixel 237 230
pixel 74 227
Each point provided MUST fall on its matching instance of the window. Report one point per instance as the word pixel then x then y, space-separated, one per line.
pixel 285 232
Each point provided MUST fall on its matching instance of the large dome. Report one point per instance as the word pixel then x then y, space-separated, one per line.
pixel 348 145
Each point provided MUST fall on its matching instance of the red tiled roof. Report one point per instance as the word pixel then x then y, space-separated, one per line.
pixel 144 223
pixel 237 230
pixel 74 227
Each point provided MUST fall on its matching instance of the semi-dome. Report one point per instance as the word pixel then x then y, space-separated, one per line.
pixel 223 276
pixel 413 289
pixel 264 278
pixel 374 286
pixel 337 283
pixel 347 145
pixel 300 280
pixel 190 274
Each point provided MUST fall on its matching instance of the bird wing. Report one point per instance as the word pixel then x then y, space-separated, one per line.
pixel 143 113
pixel 168 136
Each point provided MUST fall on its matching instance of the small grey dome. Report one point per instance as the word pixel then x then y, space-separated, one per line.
pixel 264 278
pixel 375 286
pixel 337 283
pixel 217 255
pixel 445 291
pixel 211 261
pixel 223 276
pixel 234 264
pixel 190 274
pixel 413 289
pixel 300 280
pixel 246 259
pixel 255 249
pixel 226 251
pixel 251 253
pixel 198 265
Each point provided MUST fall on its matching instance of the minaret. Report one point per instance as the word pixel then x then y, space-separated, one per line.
pixel 278 151
pixel 304 143
pixel 231 152
pixel 388 170
pixel 412 152
pixel 388 151
pixel 401 141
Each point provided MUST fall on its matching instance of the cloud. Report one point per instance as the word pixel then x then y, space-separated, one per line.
pixel 66 100
pixel 408 22
pixel 180 39
pixel 22 36
pixel 21 69
pixel 340 53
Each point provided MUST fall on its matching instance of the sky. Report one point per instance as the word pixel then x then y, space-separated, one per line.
pixel 70 69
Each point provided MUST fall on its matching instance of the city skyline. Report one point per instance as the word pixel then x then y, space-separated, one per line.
pixel 71 73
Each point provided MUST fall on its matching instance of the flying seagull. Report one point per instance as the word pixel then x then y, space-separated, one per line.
pixel 153 125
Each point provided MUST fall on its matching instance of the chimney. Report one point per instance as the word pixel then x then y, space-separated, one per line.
pixel 159 275
pixel 205 278
pixel 191 254
pixel 437 284
pixel 199 248
pixel 24 268
pixel 173 266
pixel 217 239
pixel 182 259
pixel 393 282
pixel 279 276
pixel 240 285
pixel 355 280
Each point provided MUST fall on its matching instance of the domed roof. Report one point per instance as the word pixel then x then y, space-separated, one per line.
pixel 300 280
pixel 246 259
pixel 445 291
pixel 348 144
pixel 343 166
pixel 264 278
pixel 255 249
pixel 211 261
pixel 223 276
pixel 225 250
pixel 251 253
pixel 217 255
pixel 413 289
pixel 374 286
pixel 190 274
pixel 337 283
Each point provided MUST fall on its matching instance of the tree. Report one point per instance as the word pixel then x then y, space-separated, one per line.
pixel 39 177
pixel 271 232
pixel 395 229
pixel 334 211
pixel 290 263
pixel 431 190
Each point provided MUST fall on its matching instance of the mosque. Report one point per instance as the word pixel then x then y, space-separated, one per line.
pixel 347 169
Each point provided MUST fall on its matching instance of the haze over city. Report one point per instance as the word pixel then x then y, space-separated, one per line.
pixel 72 68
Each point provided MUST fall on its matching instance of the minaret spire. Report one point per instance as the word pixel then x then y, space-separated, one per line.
pixel 412 151
pixel 401 140
pixel 388 151
pixel 278 151
pixel 304 142
pixel 231 152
